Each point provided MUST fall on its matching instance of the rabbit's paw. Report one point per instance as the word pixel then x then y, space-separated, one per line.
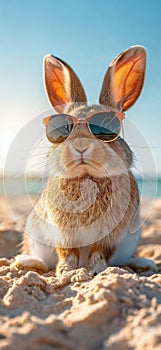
pixel 28 262
pixel 66 266
pixel 81 275
pixel 96 264
pixel 63 270
pixel 142 264
pixel 72 276
pixel 68 260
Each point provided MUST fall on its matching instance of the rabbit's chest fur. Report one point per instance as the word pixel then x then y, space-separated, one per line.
pixel 80 212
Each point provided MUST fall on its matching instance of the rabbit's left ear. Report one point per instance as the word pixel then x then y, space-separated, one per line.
pixel 124 79
pixel 62 84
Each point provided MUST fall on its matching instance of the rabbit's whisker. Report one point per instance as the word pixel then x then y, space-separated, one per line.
pixel 35 155
pixel 39 155
pixel 146 147
pixel 45 147
pixel 37 165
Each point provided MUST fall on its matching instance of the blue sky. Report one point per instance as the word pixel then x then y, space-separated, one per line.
pixel 88 35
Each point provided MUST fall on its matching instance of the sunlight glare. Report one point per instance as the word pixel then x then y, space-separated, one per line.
pixel 6 138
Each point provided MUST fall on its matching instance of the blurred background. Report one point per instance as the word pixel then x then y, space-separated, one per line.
pixel 88 35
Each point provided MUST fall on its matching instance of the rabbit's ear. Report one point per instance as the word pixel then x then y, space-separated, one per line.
pixel 124 79
pixel 62 84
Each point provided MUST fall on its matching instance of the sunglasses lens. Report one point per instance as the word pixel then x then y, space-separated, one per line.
pixel 59 128
pixel 105 125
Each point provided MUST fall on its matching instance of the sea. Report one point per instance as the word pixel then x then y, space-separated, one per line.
pixel 149 188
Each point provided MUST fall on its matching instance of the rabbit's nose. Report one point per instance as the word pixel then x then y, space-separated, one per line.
pixel 81 145
pixel 80 151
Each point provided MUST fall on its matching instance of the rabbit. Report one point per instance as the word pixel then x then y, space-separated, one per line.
pixel 88 213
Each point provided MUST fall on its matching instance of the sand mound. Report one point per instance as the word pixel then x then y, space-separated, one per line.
pixel 118 309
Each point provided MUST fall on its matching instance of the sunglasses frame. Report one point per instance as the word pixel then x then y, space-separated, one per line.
pixel 120 115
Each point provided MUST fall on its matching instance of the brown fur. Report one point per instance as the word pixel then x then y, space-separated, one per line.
pixel 70 189
pixel 25 245
pixel 107 245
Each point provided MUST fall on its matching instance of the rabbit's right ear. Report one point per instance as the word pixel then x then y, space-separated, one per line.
pixel 62 84
pixel 124 79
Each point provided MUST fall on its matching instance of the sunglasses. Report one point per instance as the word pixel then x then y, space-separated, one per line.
pixel 104 125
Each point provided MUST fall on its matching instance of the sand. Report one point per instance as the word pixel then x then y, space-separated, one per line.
pixel 117 309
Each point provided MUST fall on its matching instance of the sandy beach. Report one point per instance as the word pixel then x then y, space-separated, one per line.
pixel 118 309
